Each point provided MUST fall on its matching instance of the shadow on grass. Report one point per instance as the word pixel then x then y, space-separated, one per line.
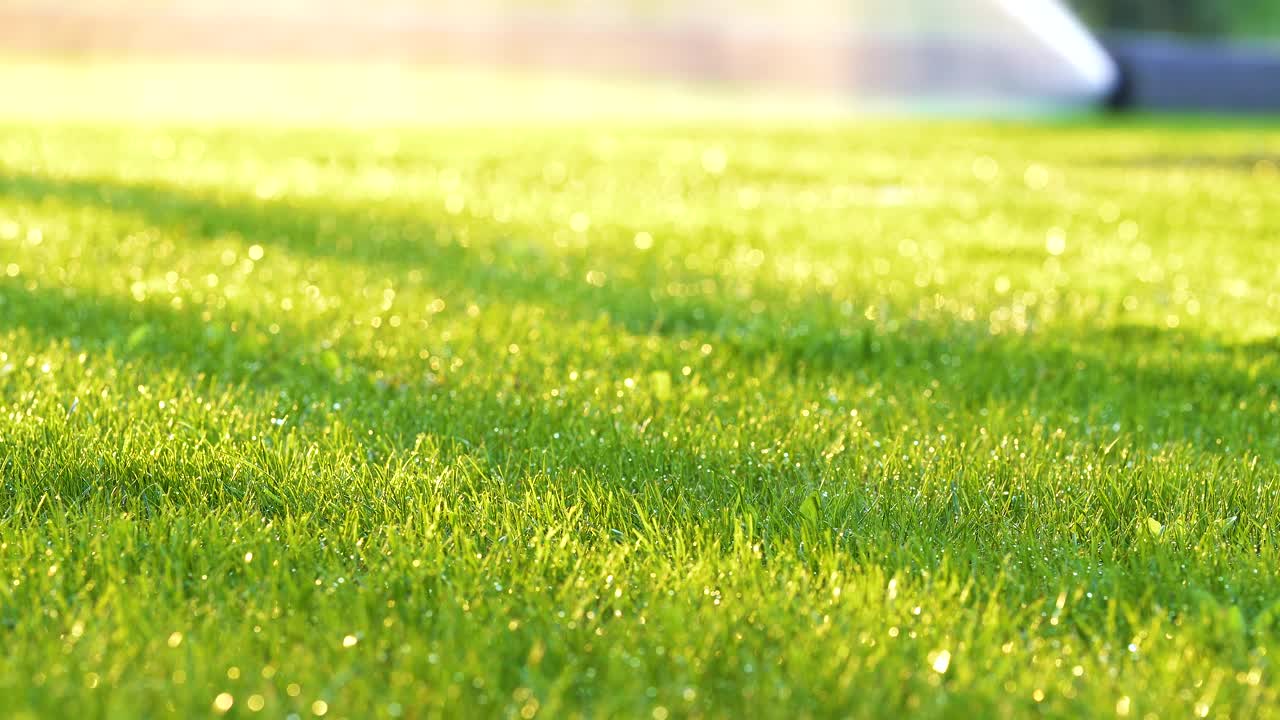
pixel 1176 384
pixel 1259 164
pixel 1180 386
pixel 690 480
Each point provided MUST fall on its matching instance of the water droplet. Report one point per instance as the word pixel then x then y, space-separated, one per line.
pixel 941 661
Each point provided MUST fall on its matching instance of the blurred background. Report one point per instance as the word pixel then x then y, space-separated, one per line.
pixel 989 55
pixel 1209 18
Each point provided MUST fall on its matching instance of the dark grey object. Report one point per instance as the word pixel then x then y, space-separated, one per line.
pixel 1165 73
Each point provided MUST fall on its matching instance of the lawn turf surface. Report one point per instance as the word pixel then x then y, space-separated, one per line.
pixel 639 419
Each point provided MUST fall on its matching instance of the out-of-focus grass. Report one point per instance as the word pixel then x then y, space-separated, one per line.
pixel 637 418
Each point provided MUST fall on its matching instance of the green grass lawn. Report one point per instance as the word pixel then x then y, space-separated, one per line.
pixel 637 418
